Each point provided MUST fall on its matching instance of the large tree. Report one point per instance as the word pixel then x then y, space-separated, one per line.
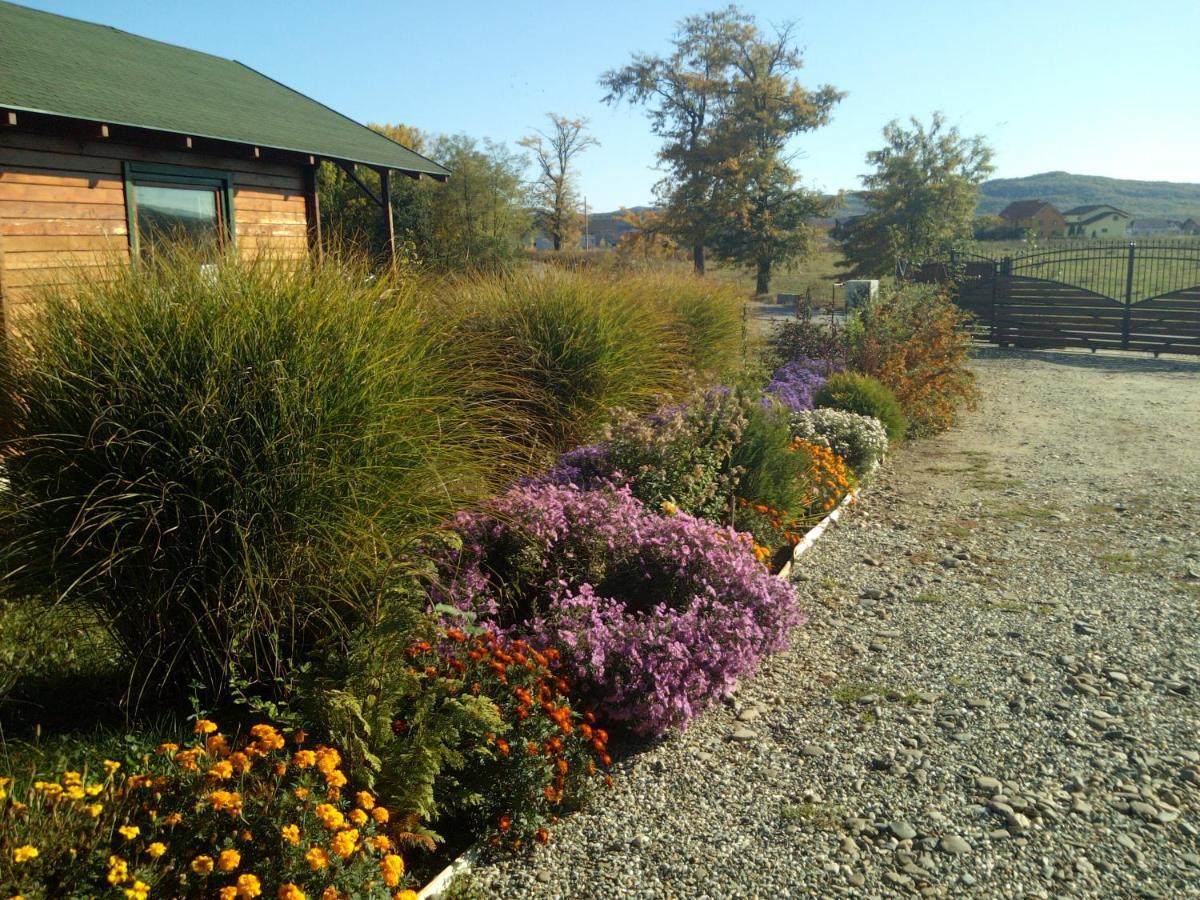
pixel 555 195
pixel 727 103
pixel 920 198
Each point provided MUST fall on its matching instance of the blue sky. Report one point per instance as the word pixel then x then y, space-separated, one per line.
pixel 1098 87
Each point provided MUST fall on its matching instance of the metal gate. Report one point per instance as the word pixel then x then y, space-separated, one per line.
pixel 1099 295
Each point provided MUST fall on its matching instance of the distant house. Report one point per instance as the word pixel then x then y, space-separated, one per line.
pixel 1189 226
pixel 1097 220
pixel 1159 227
pixel 1036 216
pixel 111 143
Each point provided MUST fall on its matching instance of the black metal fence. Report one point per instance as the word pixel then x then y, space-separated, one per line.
pixel 1115 295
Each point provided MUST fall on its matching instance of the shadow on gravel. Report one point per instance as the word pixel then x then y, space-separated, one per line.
pixel 1102 361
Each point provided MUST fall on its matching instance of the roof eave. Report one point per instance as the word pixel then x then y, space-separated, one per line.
pixel 434 171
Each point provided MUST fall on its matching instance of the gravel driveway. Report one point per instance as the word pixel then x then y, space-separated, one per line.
pixel 998 693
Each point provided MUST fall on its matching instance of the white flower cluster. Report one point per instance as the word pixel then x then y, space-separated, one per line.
pixel 860 440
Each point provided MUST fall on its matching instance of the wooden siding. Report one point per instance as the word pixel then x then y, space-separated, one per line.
pixel 62 207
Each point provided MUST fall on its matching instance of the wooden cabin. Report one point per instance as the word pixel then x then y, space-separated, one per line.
pixel 110 141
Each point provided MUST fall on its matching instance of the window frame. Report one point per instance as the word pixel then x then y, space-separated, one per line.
pixel 181 176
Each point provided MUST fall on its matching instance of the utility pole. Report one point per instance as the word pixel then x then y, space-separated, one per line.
pixel 587 237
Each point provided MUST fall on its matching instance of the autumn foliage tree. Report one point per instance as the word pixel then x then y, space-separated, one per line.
pixel 727 103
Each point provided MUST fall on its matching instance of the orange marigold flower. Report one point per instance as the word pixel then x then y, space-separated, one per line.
pixel 291 834
pixel 248 887
pixel 358 817
pixel 543 836
pixel 202 865
pixel 392 869
pixel 317 858
pixel 344 843
pixel 364 800
pixel 380 815
pixel 217 745
pixel 504 823
pixel 303 759
pixel 379 843
pixel 228 860
pixel 289 891
pixel 205 726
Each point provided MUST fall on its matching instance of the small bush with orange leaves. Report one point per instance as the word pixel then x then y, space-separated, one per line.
pixel 216 817
pixel 914 342
pixel 469 731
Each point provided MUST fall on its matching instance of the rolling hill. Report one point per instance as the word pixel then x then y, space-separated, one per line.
pixel 1167 199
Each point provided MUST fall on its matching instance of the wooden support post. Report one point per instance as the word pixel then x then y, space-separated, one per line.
pixel 102 131
pixel 8 117
pixel 385 192
pixel 312 209
pixel 187 143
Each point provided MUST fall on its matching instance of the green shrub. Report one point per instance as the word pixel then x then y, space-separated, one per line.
pixel 768 472
pixel 228 462
pixel 866 396
pixel 575 345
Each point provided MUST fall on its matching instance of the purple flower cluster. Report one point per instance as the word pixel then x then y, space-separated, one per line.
pixel 795 382
pixel 656 616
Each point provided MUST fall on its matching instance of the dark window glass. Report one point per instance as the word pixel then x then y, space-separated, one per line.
pixel 178 213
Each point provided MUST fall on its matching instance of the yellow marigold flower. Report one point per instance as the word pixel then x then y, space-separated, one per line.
pixel 166 749
pixel 24 853
pixel 379 843
pixel 157 849
pixel 268 738
pixel 75 792
pixel 228 860
pixel 301 793
pixel 247 835
pixel 291 834
pixel 328 759
pixel 248 887
pixel 202 865
pixel 111 766
pixel 330 893
pixel 344 843
pixel 222 770
pixel 129 832
pixel 118 870
pixel 365 800
pixel 392 869
pixel 227 893
pixel 240 762
pixel 173 819
pixel 317 858
pixel 139 891
pixel 187 760
pixel 205 726
pixel 380 815
pixel 330 816
pixel 407 894
pixel 335 779
pixel 217 745
pixel 52 788
pixel 71 777
pixel 94 809
pixel 93 789
pixel 304 758
pixel 358 817
pixel 280 769
pixel 289 891
pixel 669 507
pixel 226 801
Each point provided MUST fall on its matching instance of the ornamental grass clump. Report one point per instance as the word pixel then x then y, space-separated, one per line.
pixel 861 441
pixel 573 346
pixel 866 396
pixel 228 461
pixel 220 816
pixel 656 615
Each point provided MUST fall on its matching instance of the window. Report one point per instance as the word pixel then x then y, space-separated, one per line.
pixel 175 203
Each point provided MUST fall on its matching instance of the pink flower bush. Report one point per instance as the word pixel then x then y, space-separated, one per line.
pixel 656 615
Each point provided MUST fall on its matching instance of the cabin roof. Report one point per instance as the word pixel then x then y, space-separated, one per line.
pixel 67 67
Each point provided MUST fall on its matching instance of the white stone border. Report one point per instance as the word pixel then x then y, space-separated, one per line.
pixel 467 858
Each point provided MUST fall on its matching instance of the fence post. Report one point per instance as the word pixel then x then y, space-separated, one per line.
pixel 1128 319
pixel 995 282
